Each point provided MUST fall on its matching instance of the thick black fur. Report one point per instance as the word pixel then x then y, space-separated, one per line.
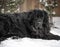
pixel 32 24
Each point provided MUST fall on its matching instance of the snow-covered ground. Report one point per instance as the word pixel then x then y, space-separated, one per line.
pixel 56 21
pixel 27 42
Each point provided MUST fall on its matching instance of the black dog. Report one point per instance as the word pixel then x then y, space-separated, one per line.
pixel 32 24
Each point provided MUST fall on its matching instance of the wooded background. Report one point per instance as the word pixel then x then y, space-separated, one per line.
pixel 27 5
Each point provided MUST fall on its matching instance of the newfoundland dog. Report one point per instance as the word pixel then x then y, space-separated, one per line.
pixel 32 24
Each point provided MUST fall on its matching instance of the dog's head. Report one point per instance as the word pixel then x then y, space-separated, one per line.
pixel 37 18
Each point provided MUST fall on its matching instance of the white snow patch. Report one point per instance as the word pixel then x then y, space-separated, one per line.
pixel 27 42
pixel 56 21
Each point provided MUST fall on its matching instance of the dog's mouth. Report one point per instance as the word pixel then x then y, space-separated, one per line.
pixel 38 28
pixel 38 31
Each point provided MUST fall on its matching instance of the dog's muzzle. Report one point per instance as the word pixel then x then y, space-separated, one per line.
pixel 38 24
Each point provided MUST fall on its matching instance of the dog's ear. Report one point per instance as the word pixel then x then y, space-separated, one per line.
pixel 46 22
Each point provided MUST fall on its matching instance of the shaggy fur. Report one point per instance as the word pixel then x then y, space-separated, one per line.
pixel 32 24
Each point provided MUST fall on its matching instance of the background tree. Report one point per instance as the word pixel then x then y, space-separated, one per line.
pixel 10 6
pixel 50 6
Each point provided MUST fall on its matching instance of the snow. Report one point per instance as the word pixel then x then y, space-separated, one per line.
pixel 56 21
pixel 28 42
